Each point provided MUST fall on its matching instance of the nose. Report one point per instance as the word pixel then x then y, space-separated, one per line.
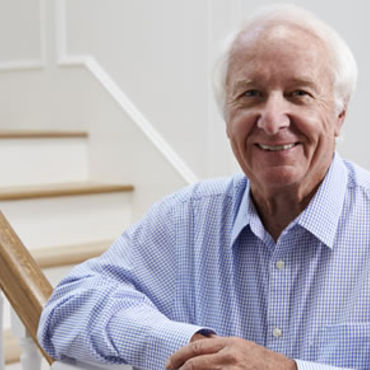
pixel 274 115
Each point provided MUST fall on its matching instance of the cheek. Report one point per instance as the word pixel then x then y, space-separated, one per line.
pixel 318 137
pixel 312 124
pixel 239 127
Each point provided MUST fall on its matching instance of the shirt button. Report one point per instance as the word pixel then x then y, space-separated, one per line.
pixel 277 332
pixel 280 265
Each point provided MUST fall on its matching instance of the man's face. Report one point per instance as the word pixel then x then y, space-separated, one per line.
pixel 281 117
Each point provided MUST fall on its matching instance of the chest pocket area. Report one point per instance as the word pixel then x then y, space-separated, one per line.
pixel 346 345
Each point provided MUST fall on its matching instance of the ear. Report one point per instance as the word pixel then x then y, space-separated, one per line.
pixel 227 132
pixel 339 122
pixel 227 127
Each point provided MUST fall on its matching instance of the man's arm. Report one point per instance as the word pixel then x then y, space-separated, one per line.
pixel 118 308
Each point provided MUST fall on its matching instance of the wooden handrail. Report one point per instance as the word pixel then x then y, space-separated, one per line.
pixel 41 134
pixel 22 281
pixel 60 190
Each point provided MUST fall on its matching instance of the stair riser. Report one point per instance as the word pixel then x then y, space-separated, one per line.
pixel 68 220
pixel 37 161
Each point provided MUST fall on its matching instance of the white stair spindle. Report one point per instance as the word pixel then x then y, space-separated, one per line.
pixel 2 362
pixel 30 356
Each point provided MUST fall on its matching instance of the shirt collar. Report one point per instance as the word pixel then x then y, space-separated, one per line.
pixel 243 215
pixel 321 216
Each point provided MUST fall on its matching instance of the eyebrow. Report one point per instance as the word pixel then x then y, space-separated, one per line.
pixel 299 81
pixel 240 85
pixel 304 82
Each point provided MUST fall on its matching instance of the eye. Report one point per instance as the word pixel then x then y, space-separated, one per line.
pixel 299 93
pixel 252 93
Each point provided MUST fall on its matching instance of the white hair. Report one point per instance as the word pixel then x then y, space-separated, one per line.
pixel 343 63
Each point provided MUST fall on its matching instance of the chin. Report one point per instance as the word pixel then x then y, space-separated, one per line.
pixel 281 177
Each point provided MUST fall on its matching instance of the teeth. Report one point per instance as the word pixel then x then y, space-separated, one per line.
pixel 275 148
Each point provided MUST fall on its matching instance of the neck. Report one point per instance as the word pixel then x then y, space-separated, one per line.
pixel 278 209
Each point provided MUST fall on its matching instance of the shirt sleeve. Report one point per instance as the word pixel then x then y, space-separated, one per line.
pixel 118 308
pixel 307 365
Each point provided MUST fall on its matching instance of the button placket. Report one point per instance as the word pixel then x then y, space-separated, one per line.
pixel 276 332
pixel 280 264
pixel 279 287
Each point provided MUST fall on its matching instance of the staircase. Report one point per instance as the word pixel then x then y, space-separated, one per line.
pixel 59 213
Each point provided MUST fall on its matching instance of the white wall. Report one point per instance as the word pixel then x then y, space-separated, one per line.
pixel 159 55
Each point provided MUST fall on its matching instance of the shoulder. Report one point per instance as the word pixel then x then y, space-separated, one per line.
pixel 227 188
pixel 220 196
pixel 358 178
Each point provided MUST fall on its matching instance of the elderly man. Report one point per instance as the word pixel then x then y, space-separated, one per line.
pixel 266 270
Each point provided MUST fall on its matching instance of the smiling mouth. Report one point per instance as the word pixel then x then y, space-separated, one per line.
pixel 275 148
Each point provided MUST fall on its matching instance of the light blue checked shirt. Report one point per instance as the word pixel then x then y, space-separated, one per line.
pixel 201 258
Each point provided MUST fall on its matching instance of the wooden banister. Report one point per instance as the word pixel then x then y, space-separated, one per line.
pixel 41 134
pixel 22 281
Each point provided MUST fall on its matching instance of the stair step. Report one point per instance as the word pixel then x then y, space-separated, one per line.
pixel 60 190
pixel 32 157
pixel 67 214
pixel 69 254
pixel 41 134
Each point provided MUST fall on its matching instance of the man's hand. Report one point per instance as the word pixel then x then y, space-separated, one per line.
pixel 227 353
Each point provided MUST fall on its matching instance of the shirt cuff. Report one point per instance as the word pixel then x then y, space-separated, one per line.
pixel 169 338
pixel 308 365
pixel 206 332
pixel 148 340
